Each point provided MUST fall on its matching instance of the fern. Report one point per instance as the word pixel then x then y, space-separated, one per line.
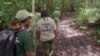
pixel 88 15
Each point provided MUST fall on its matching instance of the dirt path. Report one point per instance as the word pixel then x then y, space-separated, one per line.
pixel 72 42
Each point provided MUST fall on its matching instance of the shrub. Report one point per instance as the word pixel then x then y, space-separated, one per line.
pixel 88 15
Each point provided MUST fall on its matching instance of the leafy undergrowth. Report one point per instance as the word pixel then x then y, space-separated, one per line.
pixel 88 15
pixel 80 45
pixel 89 21
pixel 97 35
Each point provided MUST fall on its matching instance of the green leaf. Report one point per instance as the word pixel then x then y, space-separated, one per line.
pixel 98 41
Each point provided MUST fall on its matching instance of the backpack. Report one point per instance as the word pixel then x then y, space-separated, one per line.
pixel 7 42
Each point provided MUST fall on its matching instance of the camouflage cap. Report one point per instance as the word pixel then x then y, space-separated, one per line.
pixel 22 14
pixel 31 14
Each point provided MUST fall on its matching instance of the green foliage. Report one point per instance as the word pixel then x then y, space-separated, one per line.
pixel 97 31
pixel 88 15
pixel 89 12
pixel 82 28
pixel 10 7
pixel 97 34
pixel 64 5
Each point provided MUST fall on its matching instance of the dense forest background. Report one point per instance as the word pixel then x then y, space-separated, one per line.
pixel 86 11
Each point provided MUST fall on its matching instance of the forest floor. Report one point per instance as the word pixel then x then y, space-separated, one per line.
pixel 72 42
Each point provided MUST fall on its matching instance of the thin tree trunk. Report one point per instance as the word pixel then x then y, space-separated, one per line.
pixel 63 1
pixel 33 6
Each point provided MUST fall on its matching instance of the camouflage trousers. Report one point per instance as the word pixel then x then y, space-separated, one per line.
pixel 48 47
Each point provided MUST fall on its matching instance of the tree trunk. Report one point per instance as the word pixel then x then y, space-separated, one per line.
pixel 33 6
pixel 62 11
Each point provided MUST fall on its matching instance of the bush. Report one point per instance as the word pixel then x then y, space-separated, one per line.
pixel 90 15
pixel 9 8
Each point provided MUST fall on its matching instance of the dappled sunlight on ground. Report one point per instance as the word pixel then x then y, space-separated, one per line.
pixel 72 42
pixel 67 30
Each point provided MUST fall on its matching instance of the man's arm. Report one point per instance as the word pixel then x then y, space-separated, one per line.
pixel 38 34
pixel 28 45
pixel 54 28
pixel 38 31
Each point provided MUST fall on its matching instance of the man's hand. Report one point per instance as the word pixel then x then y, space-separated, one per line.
pixel 30 54
pixel 29 29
